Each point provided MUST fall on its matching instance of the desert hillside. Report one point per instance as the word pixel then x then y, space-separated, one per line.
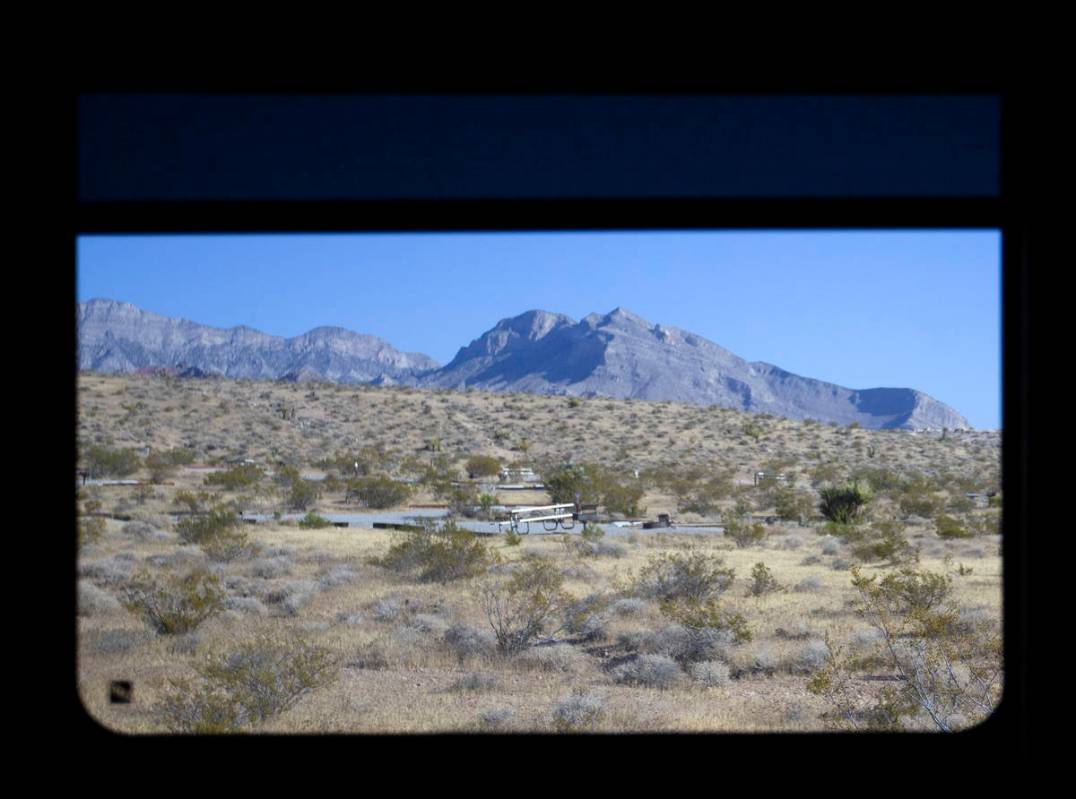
pixel 213 581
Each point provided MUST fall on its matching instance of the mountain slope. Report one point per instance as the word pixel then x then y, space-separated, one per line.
pixel 120 337
pixel 622 355
pixel 618 355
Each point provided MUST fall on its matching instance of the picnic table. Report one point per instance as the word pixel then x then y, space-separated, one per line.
pixel 551 517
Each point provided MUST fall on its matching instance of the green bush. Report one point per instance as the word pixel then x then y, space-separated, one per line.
pixel 691 575
pixel 763 581
pixel 948 527
pixel 950 673
pixel 176 605
pixel 313 522
pixel 162 464
pixel 482 466
pixel 379 491
pixel 792 506
pixel 568 482
pixel 103 461
pixel 438 554
pixel 591 483
pixel 302 494
pixel 698 616
pixel 521 607
pixel 195 503
pixel 885 541
pixel 844 504
pixel 90 530
pixel 201 527
pixel 243 688
pixel 236 479
pixel 744 535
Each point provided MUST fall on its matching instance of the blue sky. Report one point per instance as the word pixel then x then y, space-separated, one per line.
pixel 863 309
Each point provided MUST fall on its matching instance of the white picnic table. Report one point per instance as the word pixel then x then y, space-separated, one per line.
pixel 551 517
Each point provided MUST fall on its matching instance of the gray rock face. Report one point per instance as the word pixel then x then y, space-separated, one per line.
pixel 618 355
pixel 120 337
pixel 621 355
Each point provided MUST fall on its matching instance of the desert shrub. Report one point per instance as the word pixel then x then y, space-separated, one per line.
pixel 163 463
pixel 880 479
pixel 429 623
pixel 556 657
pixel 950 674
pixel 311 521
pixel 620 497
pixel 112 570
pixel 592 543
pixel 811 657
pixel 792 506
pixel 485 504
pixel 482 466
pixel 333 576
pixel 708 619
pixel 948 527
pixel 94 601
pixel 177 604
pixel 439 554
pixel 885 541
pixel 831 545
pixel 243 688
pixel 475 681
pixel 587 617
pixel 808 585
pixel 744 535
pixel 289 598
pixel 752 431
pixel 270 568
pixel 230 544
pixel 101 461
pixel 567 482
pixel 846 532
pixel 763 581
pixel 194 502
pixel 844 504
pixel 463 500
pixel 90 530
pixel 579 711
pixel 246 604
pixel 592 483
pixel 649 671
pixel 467 642
pixel 520 607
pixel 683 575
pixel 512 538
pixel 144 531
pixel 201 527
pixel 711 673
pixel 236 479
pixel 916 500
pixel 218 533
pixel 113 641
pixel 301 494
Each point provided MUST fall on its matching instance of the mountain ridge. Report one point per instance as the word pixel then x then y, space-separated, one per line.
pixel 618 355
